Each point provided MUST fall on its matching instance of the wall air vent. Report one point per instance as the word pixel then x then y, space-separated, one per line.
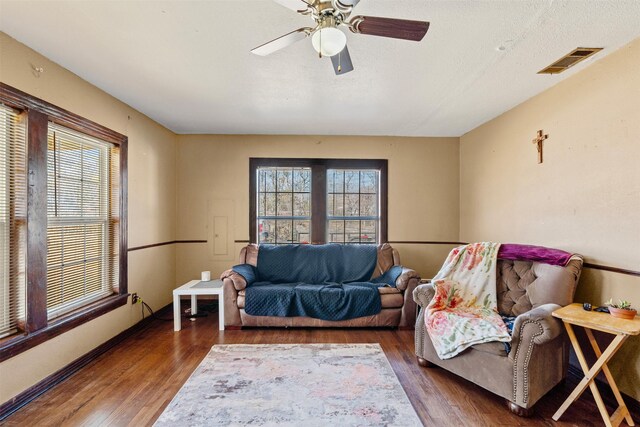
pixel 571 59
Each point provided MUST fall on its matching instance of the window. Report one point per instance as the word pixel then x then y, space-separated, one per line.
pixel 318 201
pixel 284 205
pixel 62 221
pixel 13 191
pixel 352 205
pixel 81 260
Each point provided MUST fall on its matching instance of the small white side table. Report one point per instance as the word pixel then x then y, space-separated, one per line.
pixel 195 288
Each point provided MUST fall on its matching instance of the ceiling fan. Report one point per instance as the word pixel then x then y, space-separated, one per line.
pixel 326 37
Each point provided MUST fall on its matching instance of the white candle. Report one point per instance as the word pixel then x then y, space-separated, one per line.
pixel 206 276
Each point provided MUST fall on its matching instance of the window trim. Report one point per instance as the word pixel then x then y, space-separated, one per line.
pixel 37 328
pixel 318 186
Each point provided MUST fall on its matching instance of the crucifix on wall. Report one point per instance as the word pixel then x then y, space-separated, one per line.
pixel 539 139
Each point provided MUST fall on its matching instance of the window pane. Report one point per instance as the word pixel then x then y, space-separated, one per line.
pixel 270 204
pixel 91 158
pixel 352 181
pixel 261 204
pixel 301 204
pixel 330 205
pixel 368 205
pixel 285 179
pixel 91 199
pixel 261 179
pixel 284 231
pixel 352 231
pixel 302 180
pixel 335 205
pixel 270 180
pixel 351 205
pixel 72 243
pixel 368 231
pixel 368 182
pixel 368 227
pixel 285 207
pixel 67 200
pixel 336 178
pixel 336 231
pixel 93 277
pixel 267 231
pixel 302 231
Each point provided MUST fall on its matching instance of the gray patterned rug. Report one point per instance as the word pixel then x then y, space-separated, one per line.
pixel 292 385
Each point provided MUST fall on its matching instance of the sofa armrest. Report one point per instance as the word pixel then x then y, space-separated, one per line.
pixel 239 282
pixel 231 310
pixel 423 294
pixel 402 282
pixel 535 327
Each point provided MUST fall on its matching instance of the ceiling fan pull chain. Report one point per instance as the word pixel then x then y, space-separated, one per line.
pixel 340 62
pixel 320 50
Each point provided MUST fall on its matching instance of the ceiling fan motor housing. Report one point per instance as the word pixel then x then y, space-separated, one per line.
pixel 330 9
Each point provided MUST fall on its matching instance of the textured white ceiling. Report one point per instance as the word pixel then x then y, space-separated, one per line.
pixel 187 64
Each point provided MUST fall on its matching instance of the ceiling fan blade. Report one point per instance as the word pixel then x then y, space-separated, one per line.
pixel 297 5
pixel 342 62
pixel 282 42
pixel 389 27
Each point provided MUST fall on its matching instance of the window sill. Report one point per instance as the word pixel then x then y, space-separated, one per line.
pixel 13 345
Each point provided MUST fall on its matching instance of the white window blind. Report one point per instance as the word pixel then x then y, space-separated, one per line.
pixel 13 213
pixel 82 215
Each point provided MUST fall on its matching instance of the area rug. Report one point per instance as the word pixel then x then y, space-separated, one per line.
pixel 292 385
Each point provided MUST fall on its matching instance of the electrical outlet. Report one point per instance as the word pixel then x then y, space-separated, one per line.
pixel 134 298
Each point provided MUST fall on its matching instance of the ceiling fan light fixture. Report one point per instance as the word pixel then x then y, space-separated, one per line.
pixel 329 41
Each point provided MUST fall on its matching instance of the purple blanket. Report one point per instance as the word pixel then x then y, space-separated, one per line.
pixel 517 252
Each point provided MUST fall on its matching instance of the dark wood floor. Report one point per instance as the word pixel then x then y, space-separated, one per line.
pixel 134 382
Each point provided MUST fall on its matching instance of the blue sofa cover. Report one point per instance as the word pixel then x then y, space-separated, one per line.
pixel 329 282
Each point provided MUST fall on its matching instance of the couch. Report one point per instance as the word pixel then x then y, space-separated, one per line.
pixel 397 306
pixel 539 354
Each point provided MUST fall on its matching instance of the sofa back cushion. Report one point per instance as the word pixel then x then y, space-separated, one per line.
pixel 523 285
pixel 316 264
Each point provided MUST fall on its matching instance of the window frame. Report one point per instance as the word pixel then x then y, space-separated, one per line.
pixel 37 328
pixel 319 169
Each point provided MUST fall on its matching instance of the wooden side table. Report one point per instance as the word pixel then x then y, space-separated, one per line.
pixel 195 288
pixel 574 314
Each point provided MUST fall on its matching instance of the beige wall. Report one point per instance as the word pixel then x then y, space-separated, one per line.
pixel 152 215
pixel 213 174
pixel 584 198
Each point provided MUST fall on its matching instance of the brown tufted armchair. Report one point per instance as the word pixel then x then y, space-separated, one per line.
pixel 539 354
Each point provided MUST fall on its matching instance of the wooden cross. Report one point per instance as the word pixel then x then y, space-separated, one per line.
pixel 539 140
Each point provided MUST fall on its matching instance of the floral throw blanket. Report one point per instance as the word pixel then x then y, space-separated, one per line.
pixel 464 310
